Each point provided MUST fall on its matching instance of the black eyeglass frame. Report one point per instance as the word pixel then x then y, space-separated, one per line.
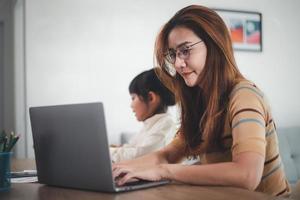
pixel 180 54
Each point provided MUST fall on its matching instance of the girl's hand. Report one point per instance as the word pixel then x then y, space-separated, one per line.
pixel 123 173
pixel 115 145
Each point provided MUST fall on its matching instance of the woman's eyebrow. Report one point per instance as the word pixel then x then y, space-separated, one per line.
pixel 181 44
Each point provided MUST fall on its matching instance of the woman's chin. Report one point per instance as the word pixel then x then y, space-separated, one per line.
pixel 190 83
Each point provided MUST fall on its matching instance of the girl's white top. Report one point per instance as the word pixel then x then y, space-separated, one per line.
pixel 156 132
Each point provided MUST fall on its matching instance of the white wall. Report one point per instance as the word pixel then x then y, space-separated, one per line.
pixel 20 83
pixel 89 50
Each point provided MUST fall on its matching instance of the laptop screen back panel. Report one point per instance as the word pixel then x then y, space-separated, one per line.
pixel 71 146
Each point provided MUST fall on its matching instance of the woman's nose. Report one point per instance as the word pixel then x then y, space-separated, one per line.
pixel 179 63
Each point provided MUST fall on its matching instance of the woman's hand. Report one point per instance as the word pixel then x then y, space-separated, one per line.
pixel 153 166
pixel 124 173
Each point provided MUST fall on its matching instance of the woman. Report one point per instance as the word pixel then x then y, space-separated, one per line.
pixel 150 102
pixel 225 119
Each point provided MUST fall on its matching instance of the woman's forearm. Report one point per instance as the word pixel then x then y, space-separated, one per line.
pixel 244 172
pixel 223 174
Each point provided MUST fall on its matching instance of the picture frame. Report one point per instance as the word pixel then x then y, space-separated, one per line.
pixel 245 28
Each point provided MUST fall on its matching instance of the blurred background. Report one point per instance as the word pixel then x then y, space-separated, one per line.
pixel 75 51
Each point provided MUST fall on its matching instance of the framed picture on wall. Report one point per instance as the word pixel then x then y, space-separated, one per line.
pixel 245 28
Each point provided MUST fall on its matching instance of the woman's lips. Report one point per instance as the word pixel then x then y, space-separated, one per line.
pixel 186 73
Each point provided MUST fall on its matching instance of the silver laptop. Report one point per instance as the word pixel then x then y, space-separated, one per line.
pixel 72 150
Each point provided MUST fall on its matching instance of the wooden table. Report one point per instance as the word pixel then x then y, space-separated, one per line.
pixel 36 191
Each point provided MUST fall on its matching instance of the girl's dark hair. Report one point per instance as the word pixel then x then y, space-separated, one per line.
pixel 148 81
pixel 203 107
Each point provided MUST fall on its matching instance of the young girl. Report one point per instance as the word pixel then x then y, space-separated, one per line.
pixel 225 119
pixel 150 101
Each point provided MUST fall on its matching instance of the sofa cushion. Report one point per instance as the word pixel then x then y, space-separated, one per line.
pixel 289 147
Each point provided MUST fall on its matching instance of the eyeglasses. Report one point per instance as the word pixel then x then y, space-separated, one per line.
pixel 182 52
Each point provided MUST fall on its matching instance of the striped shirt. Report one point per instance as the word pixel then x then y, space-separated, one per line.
pixel 249 127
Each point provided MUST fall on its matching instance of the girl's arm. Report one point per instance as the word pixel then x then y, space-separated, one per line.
pixel 168 154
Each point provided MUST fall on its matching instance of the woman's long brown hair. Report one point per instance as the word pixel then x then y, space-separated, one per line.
pixel 203 107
